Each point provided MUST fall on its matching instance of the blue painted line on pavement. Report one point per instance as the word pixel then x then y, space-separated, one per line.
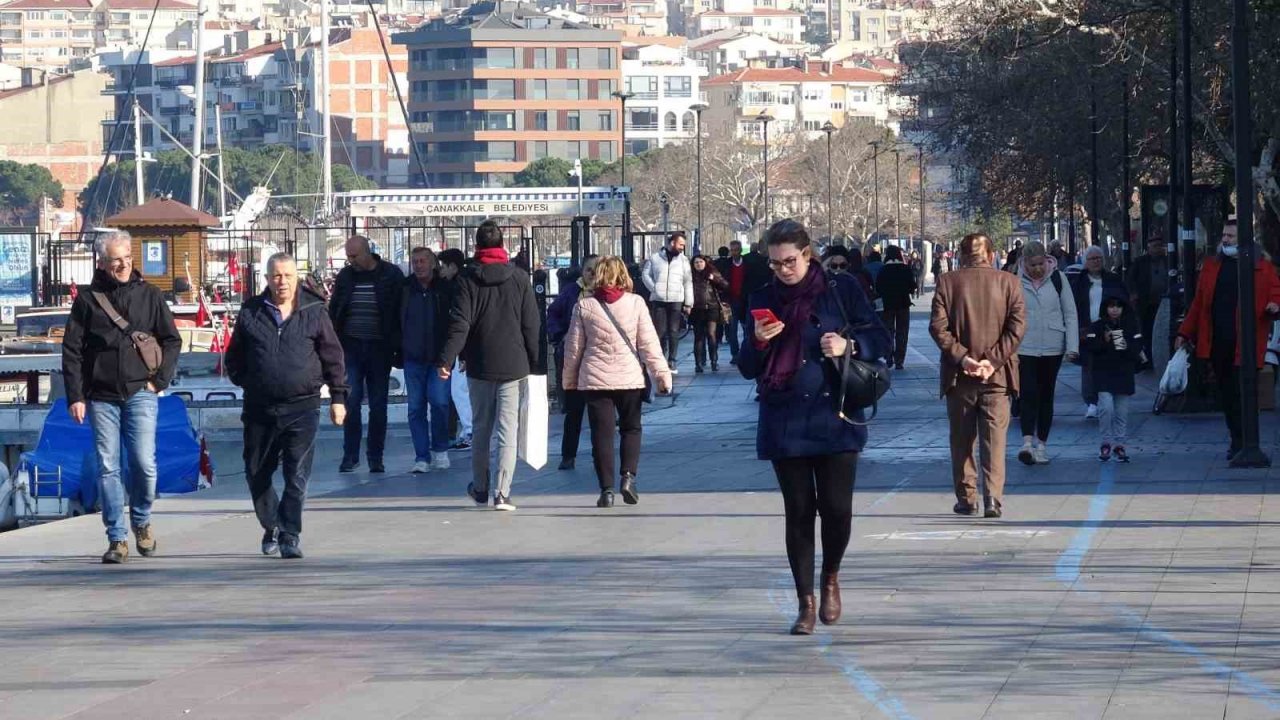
pixel 1067 569
pixel 847 661
pixel 1067 572
pixel 903 483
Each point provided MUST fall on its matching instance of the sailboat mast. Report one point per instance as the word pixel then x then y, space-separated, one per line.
pixel 325 120
pixel 197 132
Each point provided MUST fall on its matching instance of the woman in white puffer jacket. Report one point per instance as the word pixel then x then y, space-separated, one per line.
pixel 609 334
pixel 1051 333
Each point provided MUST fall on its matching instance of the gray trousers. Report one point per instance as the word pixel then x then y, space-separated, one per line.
pixel 494 404
pixel 1113 418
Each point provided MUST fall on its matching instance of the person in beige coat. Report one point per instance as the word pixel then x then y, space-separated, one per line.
pixel 609 335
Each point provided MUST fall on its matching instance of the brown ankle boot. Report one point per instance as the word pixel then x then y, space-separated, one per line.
pixel 829 612
pixel 806 619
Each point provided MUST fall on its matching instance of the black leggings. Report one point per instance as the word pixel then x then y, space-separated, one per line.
pixel 813 485
pixel 1038 377
pixel 706 340
pixel 610 411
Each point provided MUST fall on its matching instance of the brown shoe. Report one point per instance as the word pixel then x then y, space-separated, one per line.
pixel 145 540
pixel 117 552
pixel 806 619
pixel 829 611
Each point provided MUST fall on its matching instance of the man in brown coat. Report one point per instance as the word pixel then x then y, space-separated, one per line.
pixel 977 321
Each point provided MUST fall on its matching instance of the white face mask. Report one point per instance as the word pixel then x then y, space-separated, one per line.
pixel 1230 250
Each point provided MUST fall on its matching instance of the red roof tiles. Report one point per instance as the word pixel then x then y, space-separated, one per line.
pixel 162 212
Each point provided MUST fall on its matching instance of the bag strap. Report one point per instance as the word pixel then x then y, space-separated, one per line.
pixel 605 306
pixel 110 310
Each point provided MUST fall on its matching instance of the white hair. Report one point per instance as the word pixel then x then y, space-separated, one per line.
pixel 109 237
pixel 279 257
pixel 1094 250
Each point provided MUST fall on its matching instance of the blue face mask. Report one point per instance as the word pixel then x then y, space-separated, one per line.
pixel 1230 250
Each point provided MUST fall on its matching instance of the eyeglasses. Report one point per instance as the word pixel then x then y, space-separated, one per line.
pixel 790 263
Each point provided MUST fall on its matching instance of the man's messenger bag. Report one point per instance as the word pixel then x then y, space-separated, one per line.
pixel 146 345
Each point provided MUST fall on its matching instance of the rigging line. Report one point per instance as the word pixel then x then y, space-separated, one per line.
pixel 395 83
pixel 130 97
pixel 203 167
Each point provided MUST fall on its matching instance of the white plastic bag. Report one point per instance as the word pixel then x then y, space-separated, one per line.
pixel 533 421
pixel 1174 381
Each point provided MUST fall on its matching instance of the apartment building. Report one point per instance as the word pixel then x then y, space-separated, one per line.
pixel 500 85
pixel 267 91
pixel 879 26
pixel 665 84
pixel 727 51
pixel 646 18
pixel 123 23
pixel 798 99
pixel 784 26
pixel 53 35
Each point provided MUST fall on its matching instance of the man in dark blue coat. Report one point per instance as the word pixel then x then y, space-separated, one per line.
pixel 283 350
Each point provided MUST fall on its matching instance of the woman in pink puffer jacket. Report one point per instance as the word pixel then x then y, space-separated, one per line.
pixel 605 366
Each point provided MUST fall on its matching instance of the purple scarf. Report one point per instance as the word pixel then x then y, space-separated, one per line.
pixel 797 305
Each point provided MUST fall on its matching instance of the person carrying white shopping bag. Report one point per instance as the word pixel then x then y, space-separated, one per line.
pixel 534 421
pixel 493 328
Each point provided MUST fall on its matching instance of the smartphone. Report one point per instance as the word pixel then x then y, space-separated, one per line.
pixel 764 316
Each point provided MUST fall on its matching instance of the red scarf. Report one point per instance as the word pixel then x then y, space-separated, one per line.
pixel 796 303
pixel 492 256
pixel 609 295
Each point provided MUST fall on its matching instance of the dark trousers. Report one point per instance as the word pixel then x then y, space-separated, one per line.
pixel 1228 376
pixel 1038 377
pixel 368 373
pixel 1148 317
pixel 574 406
pixel 1087 391
pixel 666 320
pixel 898 323
pixel 610 411
pixel 705 326
pixel 811 486
pixel 731 331
pixel 288 441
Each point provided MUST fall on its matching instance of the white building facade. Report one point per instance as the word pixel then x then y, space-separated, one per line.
pixel 666 84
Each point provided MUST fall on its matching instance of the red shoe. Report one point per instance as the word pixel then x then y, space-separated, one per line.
pixel 1105 453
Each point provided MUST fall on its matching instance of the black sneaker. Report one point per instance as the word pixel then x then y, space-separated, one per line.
pixel 270 543
pixel 376 466
pixel 462 443
pixel 481 497
pixel 289 550
pixel 348 466
pixel 503 503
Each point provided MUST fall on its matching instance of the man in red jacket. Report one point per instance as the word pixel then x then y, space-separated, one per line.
pixel 1212 326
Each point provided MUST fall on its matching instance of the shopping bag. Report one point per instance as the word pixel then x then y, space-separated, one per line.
pixel 1174 381
pixel 532 445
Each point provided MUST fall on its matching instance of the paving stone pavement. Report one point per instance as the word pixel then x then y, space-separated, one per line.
pixel 1144 591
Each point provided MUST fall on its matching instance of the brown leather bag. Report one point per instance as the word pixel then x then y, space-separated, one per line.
pixel 146 345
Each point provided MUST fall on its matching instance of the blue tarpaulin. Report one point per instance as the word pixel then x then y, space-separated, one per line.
pixel 66 444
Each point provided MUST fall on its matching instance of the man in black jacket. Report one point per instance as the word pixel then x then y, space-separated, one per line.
pixel 494 328
pixel 282 350
pixel 1148 284
pixel 895 285
pixel 365 313
pixel 107 380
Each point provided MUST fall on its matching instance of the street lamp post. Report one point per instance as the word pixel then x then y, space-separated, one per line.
pixel 920 149
pixel 897 193
pixel 828 128
pixel 875 187
pixel 697 108
pixel 622 151
pixel 1250 455
pixel 764 117
pixel 628 245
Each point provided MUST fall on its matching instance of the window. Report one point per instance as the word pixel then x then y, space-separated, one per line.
pixel 540 120
pixel 502 151
pixel 57 15
pixel 119 17
pixel 59 33
pixel 35 15
pixel 813 94
pixel 539 57
pixel 604 89
pixel 837 105
pixel 571 58
pixel 574 150
pixel 606 120
pixel 605 61
pixel 539 89
pixel 571 88
pixel 679 86
pixel 35 34
pixel 574 120
pixel 606 151
pixel 539 149
pixel 500 58
pixel 690 122
pixel 857 96
pixel 812 125
pixel 669 122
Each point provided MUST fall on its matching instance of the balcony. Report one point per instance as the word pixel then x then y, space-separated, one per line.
pixel 642 127
pixel 230 81
pixel 175 110
pixel 647 95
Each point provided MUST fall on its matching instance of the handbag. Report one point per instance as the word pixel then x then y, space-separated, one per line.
pixel 726 313
pixel 647 396
pixel 861 383
pixel 145 345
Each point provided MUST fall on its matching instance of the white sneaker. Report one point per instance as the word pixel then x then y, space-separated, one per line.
pixel 1091 412
pixel 1026 455
pixel 420 467
pixel 1042 455
pixel 440 460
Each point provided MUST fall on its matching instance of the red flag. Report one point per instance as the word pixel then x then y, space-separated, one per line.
pixel 202 313
pixel 233 269
pixel 75 290
pixel 217 295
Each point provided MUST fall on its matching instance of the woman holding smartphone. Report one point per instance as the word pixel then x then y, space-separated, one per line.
pixel 799 334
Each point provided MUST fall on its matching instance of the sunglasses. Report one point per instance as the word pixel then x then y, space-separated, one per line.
pixel 837 265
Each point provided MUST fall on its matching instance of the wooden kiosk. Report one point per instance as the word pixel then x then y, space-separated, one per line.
pixel 169 244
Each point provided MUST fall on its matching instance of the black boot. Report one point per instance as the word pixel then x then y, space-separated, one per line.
pixel 605 500
pixel 630 495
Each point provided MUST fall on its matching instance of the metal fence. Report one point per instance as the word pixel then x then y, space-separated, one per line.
pixel 68 260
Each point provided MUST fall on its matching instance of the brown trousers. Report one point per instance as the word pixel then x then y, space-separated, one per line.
pixel 980 412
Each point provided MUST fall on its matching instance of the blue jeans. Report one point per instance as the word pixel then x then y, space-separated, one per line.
pixel 429 399
pixel 368 371
pixel 134 422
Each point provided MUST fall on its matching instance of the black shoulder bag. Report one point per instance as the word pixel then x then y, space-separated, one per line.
pixel 861 383
pixel 647 396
